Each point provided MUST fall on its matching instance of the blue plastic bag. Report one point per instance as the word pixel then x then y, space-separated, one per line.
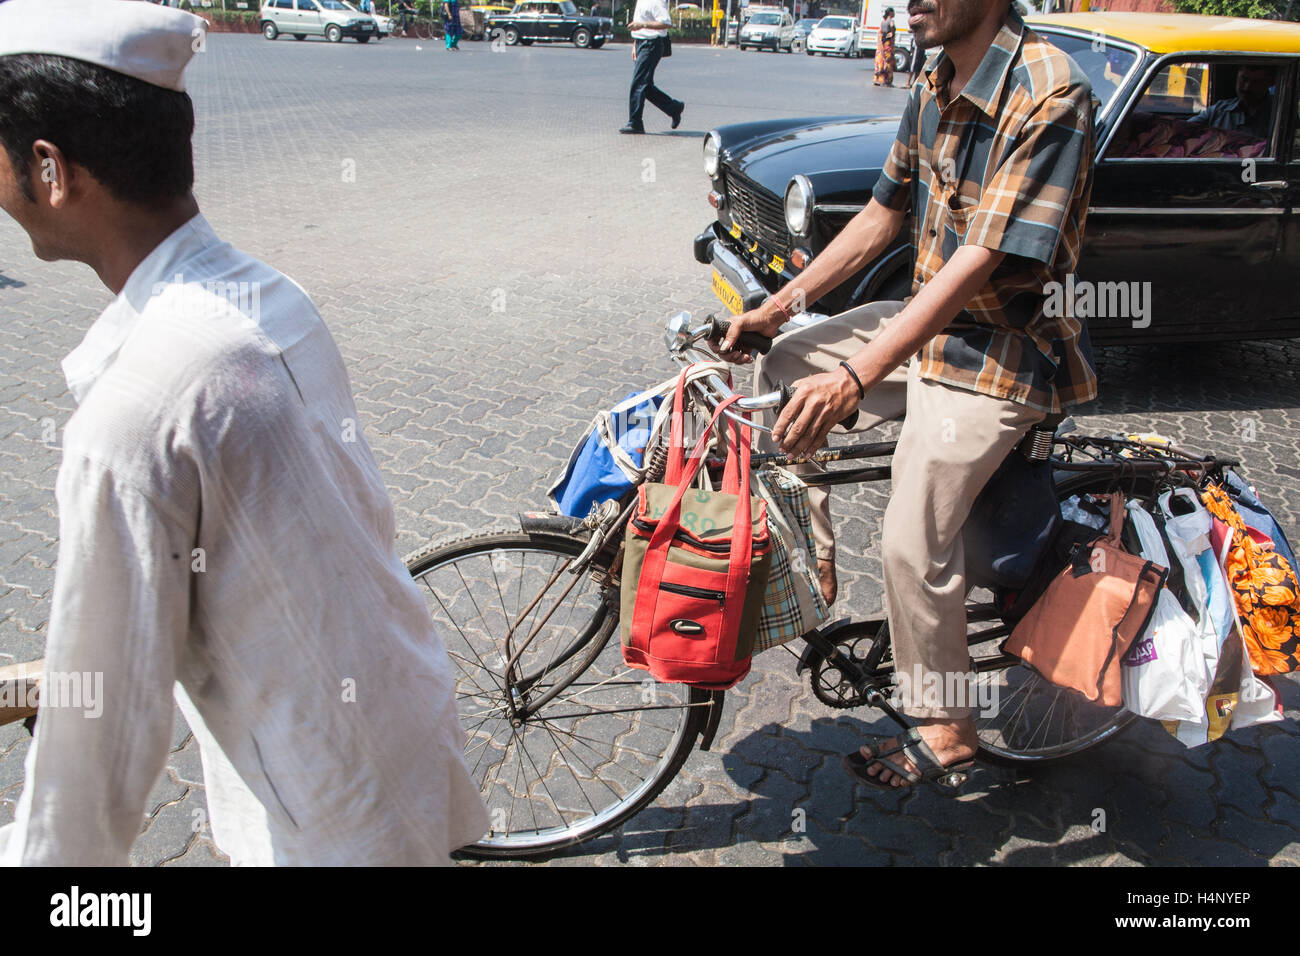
pixel 605 466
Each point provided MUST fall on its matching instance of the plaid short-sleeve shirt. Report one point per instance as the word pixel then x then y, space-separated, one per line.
pixel 1007 165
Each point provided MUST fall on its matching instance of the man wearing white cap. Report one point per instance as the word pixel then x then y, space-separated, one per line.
pixel 224 529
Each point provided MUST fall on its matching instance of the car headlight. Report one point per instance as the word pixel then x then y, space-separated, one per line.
pixel 798 205
pixel 711 149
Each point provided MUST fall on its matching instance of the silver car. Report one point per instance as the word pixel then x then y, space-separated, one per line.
pixel 304 18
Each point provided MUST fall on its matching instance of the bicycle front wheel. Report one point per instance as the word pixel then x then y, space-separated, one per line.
pixel 564 740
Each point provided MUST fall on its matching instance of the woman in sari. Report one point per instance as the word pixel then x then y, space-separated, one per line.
pixel 885 50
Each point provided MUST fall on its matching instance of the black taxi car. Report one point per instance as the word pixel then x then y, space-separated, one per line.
pixel 1193 230
pixel 550 21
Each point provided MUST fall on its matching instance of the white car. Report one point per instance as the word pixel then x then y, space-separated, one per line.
pixel 770 29
pixel 838 35
pixel 383 25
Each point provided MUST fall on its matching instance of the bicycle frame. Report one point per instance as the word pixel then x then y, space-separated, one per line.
pixel 1103 457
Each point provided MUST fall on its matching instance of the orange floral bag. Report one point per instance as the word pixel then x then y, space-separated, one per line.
pixel 1265 589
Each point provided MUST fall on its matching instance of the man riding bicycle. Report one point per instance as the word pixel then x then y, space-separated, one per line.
pixel 994 161
pixel 404 16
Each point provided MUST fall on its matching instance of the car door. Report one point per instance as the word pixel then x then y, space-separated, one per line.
pixel 527 21
pixel 281 12
pixel 549 21
pixel 307 19
pixel 1288 259
pixel 1186 216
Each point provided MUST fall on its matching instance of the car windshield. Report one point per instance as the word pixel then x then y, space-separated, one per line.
pixel 806 23
pixel 332 5
pixel 835 23
pixel 765 19
pixel 1105 64
pixel 568 9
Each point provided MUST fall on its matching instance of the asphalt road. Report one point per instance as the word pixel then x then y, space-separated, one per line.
pixel 496 262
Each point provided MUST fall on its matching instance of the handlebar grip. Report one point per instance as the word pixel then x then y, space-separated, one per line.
pixel 787 393
pixel 749 341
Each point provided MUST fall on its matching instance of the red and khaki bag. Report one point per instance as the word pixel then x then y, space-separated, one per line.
pixel 1265 590
pixel 1076 633
pixel 695 567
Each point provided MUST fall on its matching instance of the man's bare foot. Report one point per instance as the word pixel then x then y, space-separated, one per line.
pixel 953 741
pixel 826 579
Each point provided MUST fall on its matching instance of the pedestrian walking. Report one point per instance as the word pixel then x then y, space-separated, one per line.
pixel 649 28
pixel 918 60
pixel 885 50
pixel 225 535
pixel 451 24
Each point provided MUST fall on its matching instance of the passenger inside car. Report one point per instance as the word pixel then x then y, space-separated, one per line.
pixel 1250 110
pixel 1167 124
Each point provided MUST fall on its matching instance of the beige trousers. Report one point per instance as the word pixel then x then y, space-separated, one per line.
pixel 951 442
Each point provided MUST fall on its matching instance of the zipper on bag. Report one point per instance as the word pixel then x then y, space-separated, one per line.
pixel 687 590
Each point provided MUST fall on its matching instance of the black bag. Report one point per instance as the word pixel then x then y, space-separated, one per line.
pixel 667 47
pixel 1012 523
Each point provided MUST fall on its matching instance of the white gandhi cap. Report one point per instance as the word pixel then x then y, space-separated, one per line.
pixel 151 43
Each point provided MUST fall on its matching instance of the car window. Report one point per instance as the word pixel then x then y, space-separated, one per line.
pixel 1295 143
pixel 307 6
pixel 1198 109
pixel 1105 64
pixel 283 4
pixel 568 9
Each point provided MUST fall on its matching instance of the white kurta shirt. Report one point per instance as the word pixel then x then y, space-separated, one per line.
pixel 650 11
pixel 223 527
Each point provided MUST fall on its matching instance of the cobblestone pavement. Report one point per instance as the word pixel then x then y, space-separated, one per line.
pixel 495 263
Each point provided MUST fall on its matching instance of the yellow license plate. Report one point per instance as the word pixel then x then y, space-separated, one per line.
pixel 729 296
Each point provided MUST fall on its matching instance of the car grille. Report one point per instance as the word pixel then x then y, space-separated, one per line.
pixel 759 215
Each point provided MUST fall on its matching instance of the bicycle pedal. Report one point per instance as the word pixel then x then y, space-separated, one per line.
pixel 954 780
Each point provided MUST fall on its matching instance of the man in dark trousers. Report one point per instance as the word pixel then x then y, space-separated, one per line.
pixel 649 27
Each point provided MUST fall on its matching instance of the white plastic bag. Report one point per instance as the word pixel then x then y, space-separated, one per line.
pixel 1164 672
pixel 1252 701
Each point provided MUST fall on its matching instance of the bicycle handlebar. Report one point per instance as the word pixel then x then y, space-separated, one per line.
pixel 748 341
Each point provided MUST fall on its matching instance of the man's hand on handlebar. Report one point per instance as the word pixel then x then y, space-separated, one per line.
pixel 755 320
pixel 818 404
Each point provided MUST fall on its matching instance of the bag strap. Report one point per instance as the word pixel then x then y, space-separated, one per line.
pixel 1116 520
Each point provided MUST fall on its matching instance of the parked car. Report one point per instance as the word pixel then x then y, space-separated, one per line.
pixel 838 35
pixel 801 30
pixel 551 21
pixel 768 30
pixel 383 25
pixel 327 18
pixel 1204 217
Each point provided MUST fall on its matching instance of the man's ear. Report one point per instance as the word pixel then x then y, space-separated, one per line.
pixel 51 173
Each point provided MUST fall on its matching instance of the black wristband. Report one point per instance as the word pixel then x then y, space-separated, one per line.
pixel 862 392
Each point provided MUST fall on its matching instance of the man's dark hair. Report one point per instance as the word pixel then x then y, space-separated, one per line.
pixel 132 136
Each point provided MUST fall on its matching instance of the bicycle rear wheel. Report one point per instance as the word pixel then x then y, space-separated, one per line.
pixel 567 742
pixel 1034 721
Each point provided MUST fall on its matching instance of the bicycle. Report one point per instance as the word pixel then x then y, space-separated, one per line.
pixel 567 742
pixel 411 24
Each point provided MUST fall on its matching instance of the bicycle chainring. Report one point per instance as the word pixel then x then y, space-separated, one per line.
pixel 835 688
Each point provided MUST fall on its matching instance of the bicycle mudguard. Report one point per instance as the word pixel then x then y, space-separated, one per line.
pixel 544 522
pixel 715 714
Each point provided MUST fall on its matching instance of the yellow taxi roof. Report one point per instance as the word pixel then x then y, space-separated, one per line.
pixel 1176 32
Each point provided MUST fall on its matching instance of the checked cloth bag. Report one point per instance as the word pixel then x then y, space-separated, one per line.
pixel 792 605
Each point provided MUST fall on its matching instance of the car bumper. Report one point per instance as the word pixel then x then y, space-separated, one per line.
pixel 773 42
pixel 822 46
pixel 363 30
pixel 739 276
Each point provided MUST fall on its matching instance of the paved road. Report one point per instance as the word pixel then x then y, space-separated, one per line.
pixel 495 263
